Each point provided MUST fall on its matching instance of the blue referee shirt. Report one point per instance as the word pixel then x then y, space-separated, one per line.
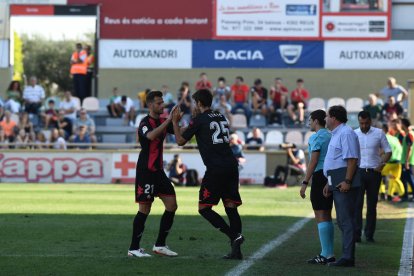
pixel 319 142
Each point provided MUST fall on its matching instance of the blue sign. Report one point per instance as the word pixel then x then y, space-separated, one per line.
pixel 301 10
pixel 257 54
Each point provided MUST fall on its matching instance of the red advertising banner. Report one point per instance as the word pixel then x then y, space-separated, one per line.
pixel 153 19
pixel 31 10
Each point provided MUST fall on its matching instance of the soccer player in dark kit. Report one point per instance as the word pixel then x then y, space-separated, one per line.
pixel 221 180
pixel 150 178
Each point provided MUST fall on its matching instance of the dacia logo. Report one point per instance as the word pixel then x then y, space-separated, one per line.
pixel 238 55
pixel 290 53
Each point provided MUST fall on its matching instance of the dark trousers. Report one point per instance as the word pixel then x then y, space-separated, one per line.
pixel 370 184
pixel 287 170
pixel 79 86
pixel 345 216
pixel 407 178
pixel 89 77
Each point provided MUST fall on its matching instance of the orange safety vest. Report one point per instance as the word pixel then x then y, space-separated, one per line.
pixel 79 68
pixel 90 62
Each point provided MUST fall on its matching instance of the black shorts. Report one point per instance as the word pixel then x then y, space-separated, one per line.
pixel 295 105
pixel 319 202
pixel 220 184
pixel 149 184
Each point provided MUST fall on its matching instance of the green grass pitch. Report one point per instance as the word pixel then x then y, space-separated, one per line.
pixel 85 230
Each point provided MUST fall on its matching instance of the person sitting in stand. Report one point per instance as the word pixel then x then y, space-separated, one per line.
pixel 259 97
pixel 391 110
pixel 298 98
pixel 82 137
pixel 50 115
pixel 255 142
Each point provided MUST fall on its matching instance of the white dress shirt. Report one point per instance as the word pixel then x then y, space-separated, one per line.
pixel 371 144
pixel 343 145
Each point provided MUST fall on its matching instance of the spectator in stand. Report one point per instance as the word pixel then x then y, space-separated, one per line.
pixel 221 89
pixel 142 96
pixel 255 142
pixel 259 97
pixel 68 106
pixel 203 83
pixel 26 125
pixel 374 108
pixel 90 63
pixel 50 115
pixel 184 98
pixel 240 96
pixel 125 105
pixel 298 102
pixel 391 110
pixel 237 149
pixel 111 107
pixel 33 96
pixel 57 140
pixel 41 141
pixel 14 97
pixel 4 141
pixel 85 121
pixel 9 126
pixel 395 90
pixel 65 125
pixel 23 139
pixel 79 70
pixel 167 97
pixel 224 108
pixel 279 95
pixel 82 137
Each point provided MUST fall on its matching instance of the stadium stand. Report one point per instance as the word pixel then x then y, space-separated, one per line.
pixel 316 103
pixel 273 138
pixel 239 121
pixel 354 104
pixel 90 104
pixel 335 101
pixel 78 103
pixel 241 135
pixel 295 137
pixel 257 120
pixel 306 137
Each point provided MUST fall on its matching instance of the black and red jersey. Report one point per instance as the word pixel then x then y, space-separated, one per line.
pixel 151 157
pixel 211 130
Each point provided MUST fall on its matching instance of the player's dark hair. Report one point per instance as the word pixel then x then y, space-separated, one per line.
pixel 405 122
pixel 151 96
pixel 203 96
pixel 364 115
pixel 320 116
pixel 339 112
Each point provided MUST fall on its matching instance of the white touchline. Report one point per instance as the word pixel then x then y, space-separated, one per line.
pixel 406 261
pixel 265 249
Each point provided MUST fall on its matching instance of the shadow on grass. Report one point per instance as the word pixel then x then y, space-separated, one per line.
pixel 40 244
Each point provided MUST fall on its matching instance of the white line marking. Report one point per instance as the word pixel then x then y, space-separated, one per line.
pixel 406 261
pixel 265 249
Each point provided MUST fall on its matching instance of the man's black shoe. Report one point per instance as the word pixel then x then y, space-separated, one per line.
pixel 235 253
pixel 343 263
pixel 319 259
pixel 370 239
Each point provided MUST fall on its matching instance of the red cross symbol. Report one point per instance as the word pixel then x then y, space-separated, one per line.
pixel 124 165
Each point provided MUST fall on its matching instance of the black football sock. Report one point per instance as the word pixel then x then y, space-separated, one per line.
pixel 167 220
pixel 218 222
pixel 137 230
pixel 234 218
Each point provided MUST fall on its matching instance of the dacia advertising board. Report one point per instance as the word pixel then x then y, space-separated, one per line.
pixel 257 54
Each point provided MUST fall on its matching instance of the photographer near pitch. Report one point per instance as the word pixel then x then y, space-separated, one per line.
pixel 296 163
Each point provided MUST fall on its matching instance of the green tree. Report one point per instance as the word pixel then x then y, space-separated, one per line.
pixel 49 61
pixel 18 69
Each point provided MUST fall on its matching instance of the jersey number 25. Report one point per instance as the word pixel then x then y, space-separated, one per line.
pixel 218 128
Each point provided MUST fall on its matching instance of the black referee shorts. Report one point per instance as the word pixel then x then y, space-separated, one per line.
pixel 319 202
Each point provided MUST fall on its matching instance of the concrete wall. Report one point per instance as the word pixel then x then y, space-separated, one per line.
pixel 5 77
pixel 321 83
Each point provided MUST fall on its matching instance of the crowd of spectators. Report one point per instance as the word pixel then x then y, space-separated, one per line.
pixel 29 119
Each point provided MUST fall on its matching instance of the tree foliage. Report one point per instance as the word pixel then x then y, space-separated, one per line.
pixel 49 61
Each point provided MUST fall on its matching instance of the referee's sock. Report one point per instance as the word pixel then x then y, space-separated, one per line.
pixel 234 218
pixel 218 222
pixel 137 230
pixel 167 220
pixel 326 237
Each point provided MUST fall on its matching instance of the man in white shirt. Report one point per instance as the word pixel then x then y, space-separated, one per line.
pixel 68 106
pixel 33 96
pixel 340 167
pixel 372 142
pixel 395 90
pixel 126 105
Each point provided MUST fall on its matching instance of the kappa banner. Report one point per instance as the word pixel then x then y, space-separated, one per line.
pixel 257 54
pixel 124 164
pixel 284 19
pixel 395 54
pixel 55 167
pixel 173 54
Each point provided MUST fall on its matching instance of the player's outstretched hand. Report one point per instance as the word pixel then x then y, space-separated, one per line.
pixel 176 114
